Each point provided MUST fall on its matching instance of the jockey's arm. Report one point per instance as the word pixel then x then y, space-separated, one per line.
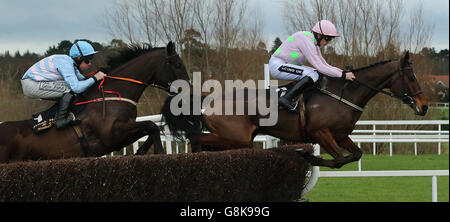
pixel 314 57
pixel 80 76
pixel 70 77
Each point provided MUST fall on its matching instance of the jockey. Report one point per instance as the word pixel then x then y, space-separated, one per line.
pixel 58 77
pixel 287 61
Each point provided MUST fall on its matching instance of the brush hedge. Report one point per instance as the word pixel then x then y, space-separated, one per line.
pixel 237 175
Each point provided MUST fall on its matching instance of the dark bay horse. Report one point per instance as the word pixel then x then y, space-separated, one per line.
pixel 328 120
pixel 107 126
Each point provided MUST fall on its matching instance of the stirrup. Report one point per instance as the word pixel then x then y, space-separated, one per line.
pixel 295 106
pixel 62 122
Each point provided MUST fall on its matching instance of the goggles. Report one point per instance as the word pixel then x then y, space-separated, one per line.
pixel 87 59
pixel 328 38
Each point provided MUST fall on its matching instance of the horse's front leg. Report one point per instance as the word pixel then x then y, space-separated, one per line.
pixel 327 142
pixel 351 147
pixel 152 130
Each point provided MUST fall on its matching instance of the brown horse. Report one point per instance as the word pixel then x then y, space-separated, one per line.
pixel 107 126
pixel 329 121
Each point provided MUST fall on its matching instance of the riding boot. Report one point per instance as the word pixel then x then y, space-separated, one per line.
pixel 295 91
pixel 62 117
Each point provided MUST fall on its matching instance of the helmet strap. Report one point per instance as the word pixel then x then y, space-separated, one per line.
pixel 319 39
pixel 77 62
pixel 83 58
pixel 321 34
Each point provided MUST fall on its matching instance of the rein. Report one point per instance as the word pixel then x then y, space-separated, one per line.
pixel 126 79
pixel 406 98
pixel 119 98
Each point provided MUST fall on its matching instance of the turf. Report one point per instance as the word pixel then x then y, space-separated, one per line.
pixel 384 189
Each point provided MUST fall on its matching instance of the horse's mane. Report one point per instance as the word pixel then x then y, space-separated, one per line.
pixel 370 66
pixel 126 54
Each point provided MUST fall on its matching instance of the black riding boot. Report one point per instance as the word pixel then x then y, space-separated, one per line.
pixel 294 92
pixel 62 117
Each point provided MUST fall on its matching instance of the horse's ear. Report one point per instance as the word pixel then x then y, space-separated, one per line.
pixel 171 48
pixel 406 59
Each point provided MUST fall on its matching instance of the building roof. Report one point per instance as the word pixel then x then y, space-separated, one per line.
pixel 436 78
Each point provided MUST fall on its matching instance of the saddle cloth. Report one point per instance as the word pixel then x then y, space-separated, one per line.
pixel 47 119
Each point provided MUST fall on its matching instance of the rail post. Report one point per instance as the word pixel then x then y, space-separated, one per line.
pixel 434 189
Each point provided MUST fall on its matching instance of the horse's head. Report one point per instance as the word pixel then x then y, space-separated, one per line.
pixel 406 86
pixel 172 68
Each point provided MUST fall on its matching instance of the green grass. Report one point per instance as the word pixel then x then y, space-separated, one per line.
pixel 384 189
pixel 377 189
pixel 397 162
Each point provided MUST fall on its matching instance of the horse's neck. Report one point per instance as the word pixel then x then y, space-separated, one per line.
pixel 378 77
pixel 129 90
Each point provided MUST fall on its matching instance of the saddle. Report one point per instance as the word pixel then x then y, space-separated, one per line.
pixel 307 92
pixel 46 119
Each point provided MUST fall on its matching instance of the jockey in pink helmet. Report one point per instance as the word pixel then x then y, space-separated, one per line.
pixel 287 63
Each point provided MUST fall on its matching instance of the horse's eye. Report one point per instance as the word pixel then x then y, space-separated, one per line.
pixel 412 77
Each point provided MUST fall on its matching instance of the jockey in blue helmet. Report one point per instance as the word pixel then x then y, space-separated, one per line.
pixel 58 77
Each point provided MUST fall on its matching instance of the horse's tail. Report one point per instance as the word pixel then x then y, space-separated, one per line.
pixel 179 124
pixel 9 134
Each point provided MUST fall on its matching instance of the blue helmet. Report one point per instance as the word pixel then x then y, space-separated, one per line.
pixel 81 48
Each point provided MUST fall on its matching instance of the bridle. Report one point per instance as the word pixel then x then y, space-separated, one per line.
pixel 407 98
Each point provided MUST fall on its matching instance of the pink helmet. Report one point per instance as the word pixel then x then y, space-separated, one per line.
pixel 325 27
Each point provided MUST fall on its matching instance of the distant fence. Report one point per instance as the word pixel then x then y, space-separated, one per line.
pixel 374 135
pixel 439 105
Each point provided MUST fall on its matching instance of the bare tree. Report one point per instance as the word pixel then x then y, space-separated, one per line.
pixel 146 20
pixel 203 11
pixel 180 17
pixel 252 33
pixel 228 23
pixel 298 16
pixel 419 34
pixel 119 21
pixel 154 21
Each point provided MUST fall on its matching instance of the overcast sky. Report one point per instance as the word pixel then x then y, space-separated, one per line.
pixel 35 25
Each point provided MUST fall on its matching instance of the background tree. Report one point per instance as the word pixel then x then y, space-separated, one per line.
pixel 370 30
pixel 276 43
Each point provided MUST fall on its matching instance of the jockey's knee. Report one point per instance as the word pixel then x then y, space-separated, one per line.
pixel 312 73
